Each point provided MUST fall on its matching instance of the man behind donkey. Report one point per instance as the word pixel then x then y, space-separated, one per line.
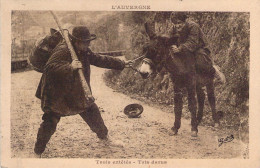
pixel 191 40
pixel 60 90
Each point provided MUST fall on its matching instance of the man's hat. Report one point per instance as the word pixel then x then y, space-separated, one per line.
pixel 81 33
pixel 133 110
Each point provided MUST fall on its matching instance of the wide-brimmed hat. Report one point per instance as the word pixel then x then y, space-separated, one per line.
pixel 133 110
pixel 81 33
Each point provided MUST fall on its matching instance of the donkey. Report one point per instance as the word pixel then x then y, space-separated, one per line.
pixel 157 54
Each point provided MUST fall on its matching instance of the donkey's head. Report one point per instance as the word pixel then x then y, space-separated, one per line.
pixel 148 66
pixel 154 52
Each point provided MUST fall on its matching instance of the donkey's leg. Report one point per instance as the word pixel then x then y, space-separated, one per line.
pixel 178 104
pixel 201 99
pixel 212 102
pixel 192 105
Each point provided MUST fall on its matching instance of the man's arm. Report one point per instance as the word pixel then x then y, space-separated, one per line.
pixel 106 61
pixel 192 42
pixel 173 40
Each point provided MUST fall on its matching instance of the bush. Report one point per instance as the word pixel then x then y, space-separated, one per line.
pixel 228 35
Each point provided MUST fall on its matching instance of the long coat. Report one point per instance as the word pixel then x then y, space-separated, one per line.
pixel 193 40
pixel 191 37
pixel 60 89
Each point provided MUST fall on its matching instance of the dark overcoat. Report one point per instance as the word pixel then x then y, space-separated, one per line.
pixel 193 40
pixel 60 89
pixel 191 37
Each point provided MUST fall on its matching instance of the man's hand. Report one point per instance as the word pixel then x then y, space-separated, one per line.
pixel 76 64
pixel 175 49
pixel 128 63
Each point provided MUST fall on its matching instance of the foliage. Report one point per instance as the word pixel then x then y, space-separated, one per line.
pixel 227 33
pixel 228 36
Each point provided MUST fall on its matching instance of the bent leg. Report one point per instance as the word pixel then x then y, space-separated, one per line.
pixel 46 130
pixel 93 118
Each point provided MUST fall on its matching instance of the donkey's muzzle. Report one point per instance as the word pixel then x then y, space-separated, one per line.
pixel 144 75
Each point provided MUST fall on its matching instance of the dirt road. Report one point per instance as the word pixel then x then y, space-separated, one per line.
pixel 144 137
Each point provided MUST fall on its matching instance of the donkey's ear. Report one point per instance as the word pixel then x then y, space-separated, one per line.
pixel 53 31
pixel 150 29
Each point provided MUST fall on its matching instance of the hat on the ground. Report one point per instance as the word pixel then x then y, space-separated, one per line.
pixel 133 110
pixel 81 33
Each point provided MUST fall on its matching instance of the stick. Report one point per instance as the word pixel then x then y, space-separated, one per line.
pixel 136 70
pixel 138 58
pixel 90 99
pixel 113 53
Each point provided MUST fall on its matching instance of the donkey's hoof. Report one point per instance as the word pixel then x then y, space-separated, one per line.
pixel 173 131
pixel 194 133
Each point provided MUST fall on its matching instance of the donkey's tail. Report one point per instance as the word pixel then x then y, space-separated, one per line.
pixel 219 74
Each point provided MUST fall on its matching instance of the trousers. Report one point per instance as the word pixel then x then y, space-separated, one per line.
pixel 189 82
pixel 50 119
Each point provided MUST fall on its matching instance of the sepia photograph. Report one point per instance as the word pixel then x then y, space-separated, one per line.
pixel 129 87
pixel 166 67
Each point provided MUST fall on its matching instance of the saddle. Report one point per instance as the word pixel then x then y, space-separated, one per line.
pixel 203 62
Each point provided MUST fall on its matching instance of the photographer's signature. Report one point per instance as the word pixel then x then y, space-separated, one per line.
pixel 225 140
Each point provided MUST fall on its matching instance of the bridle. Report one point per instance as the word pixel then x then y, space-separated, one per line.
pixel 148 61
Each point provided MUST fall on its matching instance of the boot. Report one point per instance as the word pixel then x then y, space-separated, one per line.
pixel 39 148
pixel 111 143
pixel 173 131
pixel 194 133
pixel 35 155
pixel 216 124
